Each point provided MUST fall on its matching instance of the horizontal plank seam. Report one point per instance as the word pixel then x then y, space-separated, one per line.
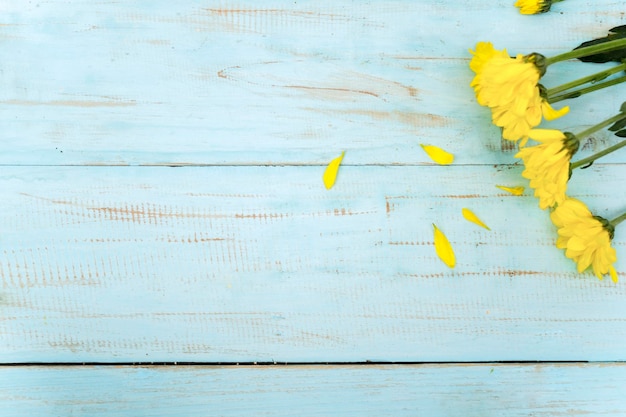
pixel 366 363
pixel 281 164
pixel 243 164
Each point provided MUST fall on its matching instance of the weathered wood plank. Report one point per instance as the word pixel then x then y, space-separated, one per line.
pixel 235 83
pixel 433 390
pixel 263 263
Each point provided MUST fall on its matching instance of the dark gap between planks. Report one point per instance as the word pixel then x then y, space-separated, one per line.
pixel 274 363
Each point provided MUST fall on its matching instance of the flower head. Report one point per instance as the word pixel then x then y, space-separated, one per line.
pixel 517 121
pixel 586 238
pixel 533 6
pixel 518 118
pixel 483 53
pixel 510 87
pixel 548 164
pixel 502 80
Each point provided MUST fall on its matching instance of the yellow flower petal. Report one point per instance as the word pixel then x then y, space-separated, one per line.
pixel 330 175
pixel 470 216
pixel 438 155
pixel 613 273
pixel 443 248
pixel 519 190
pixel 550 114
pixel 483 53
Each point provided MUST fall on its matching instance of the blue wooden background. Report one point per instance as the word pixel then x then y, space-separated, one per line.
pixel 162 202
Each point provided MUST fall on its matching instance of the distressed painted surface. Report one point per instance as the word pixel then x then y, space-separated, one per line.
pixel 108 254
pixel 262 263
pixel 435 390
pixel 207 82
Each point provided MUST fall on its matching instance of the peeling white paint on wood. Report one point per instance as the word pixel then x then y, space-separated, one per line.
pixel 240 254
pixel 263 263
pixel 433 390
pixel 220 83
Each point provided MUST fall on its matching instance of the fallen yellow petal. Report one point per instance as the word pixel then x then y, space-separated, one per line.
pixel 438 155
pixel 443 248
pixel 549 113
pixel 330 175
pixel 470 216
pixel 519 190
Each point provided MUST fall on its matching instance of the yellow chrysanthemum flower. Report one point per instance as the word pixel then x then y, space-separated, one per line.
pixel 586 238
pixel 483 53
pixel 547 164
pixel 504 81
pixel 509 86
pixel 517 119
pixel 533 6
pixel 516 122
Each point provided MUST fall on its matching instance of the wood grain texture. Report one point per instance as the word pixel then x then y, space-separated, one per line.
pixel 442 390
pixel 201 82
pixel 261 264
pixel 239 254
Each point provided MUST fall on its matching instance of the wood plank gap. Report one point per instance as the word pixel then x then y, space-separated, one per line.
pixel 294 364
pixel 282 164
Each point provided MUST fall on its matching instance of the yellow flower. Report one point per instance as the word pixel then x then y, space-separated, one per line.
pixel 483 53
pixel 533 6
pixel 586 238
pixel 517 119
pixel 502 80
pixel 510 87
pixel 548 164
pixel 516 122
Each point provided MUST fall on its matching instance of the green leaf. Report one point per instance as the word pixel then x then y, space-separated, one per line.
pixel 620 124
pixel 617 55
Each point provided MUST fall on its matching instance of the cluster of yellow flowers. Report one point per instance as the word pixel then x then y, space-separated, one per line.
pixel 510 88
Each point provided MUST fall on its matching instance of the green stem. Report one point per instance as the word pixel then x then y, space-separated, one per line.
pixel 590 159
pixel 580 92
pixel 618 220
pixel 588 50
pixel 601 125
pixel 588 79
pixel 586 161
